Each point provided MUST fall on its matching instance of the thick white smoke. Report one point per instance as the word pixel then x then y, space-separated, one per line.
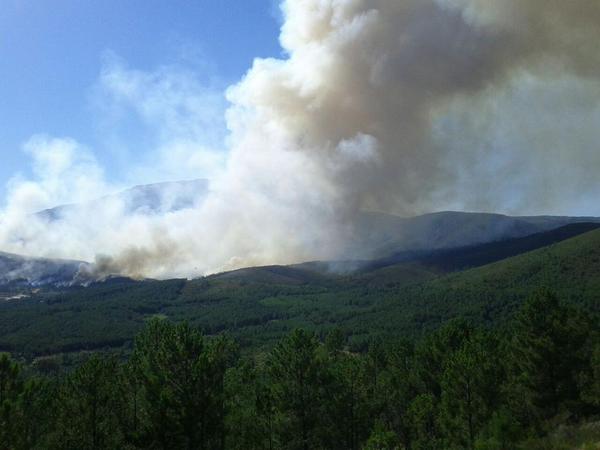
pixel 399 106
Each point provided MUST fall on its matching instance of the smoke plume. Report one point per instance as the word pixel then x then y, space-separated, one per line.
pixel 397 106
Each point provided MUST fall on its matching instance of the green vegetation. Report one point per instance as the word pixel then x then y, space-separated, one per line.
pixel 461 387
pixel 409 353
pixel 259 306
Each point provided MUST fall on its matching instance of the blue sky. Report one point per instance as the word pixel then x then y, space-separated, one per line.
pixel 53 52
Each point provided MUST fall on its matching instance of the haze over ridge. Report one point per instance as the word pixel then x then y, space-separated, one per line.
pixel 383 105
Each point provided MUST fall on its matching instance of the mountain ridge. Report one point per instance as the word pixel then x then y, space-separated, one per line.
pixel 377 236
pixel 259 311
pixel 167 196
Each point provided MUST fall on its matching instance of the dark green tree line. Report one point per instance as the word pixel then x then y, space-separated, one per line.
pixel 462 387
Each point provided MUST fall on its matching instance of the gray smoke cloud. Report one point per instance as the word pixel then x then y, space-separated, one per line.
pixel 399 106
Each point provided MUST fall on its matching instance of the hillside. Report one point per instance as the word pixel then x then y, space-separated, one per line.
pixel 18 271
pixel 406 266
pixel 259 305
pixel 294 275
pixel 461 258
pixel 385 234
pixel 143 199
pixel 380 239
pixel 490 293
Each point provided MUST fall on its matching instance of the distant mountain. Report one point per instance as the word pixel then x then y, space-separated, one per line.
pixel 159 198
pixel 384 234
pixel 379 239
pixel 260 305
pixel 417 266
pixel 20 271
pixel 491 293
pixel 147 199
pixel 407 266
pixel 284 275
pixel 376 234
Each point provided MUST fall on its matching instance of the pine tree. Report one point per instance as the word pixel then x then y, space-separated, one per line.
pixel 85 406
pixel 296 368
pixel 182 381
pixel 433 352
pixel 590 381
pixel 422 415
pixel 250 407
pixel 347 406
pixel 396 389
pixel 11 387
pixel 549 350
pixel 470 390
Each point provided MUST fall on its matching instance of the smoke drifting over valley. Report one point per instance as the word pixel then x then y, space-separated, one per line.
pixel 397 106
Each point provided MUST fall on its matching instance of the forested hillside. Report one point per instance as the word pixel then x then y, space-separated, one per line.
pixel 260 305
pixel 491 347
pixel 491 293
pixel 300 225
pixel 462 387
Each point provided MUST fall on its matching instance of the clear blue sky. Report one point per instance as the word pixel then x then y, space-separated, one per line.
pixel 51 54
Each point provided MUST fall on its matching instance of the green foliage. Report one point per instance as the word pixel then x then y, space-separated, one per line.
pixel 24 417
pixel 551 347
pixel 180 387
pixel 250 420
pixel 590 379
pixel 422 416
pixel 259 306
pixel 11 388
pixel 348 405
pixel 86 419
pixel 502 432
pixel 584 436
pixel 297 370
pixel 381 439
pixel 399 357
pixel 469 391
pixel 462 387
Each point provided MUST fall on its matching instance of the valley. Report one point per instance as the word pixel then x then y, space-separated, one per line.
pixel 300 225
pixel 408 294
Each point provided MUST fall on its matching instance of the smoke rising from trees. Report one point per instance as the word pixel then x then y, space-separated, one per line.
pixel 395 106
